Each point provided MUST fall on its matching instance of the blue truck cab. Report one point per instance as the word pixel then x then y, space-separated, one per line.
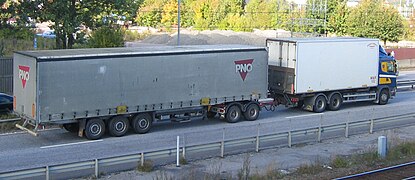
pixel 388 72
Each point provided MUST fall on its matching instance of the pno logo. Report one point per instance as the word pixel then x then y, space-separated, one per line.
pixel 243 67
pixel 24 74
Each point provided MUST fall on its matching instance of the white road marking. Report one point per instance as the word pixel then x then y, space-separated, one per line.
pixel 70 144
pixel 306 115
pixel 404 92
pixel 23 132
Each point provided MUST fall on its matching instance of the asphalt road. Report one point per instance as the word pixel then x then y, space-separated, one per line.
pixel 56 146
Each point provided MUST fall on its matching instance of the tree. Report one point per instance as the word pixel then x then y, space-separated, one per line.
pixel 67 15
pixel 149 14
pixel 169 14
pixel 260 13
pixel 338 18
pixel 373 19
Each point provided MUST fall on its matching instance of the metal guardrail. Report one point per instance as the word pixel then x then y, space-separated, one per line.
pixel 361 175
pixel 219 146
pixel 10 120
pixel 406 83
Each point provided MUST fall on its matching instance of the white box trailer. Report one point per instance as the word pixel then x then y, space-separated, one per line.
pixel 302 69
pixel 91 88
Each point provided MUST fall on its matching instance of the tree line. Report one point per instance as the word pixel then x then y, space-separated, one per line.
pixel 371 18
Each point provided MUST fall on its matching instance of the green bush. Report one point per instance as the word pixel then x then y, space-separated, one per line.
pixel 22 33
pixel 133 35
pixel 340 162
pixel 106 37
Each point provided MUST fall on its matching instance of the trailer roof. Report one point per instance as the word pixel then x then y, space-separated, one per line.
pixel 321 39
pixel 78 54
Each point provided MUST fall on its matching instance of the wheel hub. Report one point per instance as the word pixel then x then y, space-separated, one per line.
pixel 95 129
pixel 119 126
pixel 142 123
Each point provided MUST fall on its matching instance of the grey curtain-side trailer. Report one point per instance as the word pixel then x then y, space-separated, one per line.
pixel 93 91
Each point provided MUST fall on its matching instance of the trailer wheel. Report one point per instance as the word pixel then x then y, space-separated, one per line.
pixel 383 97
pixel 142 123
pixel 118 126
pixel 319 104
pixel 252 112
pixel 211 115
pixel 94 129
pixel 233 114
pixel 71 127
pixel 335 102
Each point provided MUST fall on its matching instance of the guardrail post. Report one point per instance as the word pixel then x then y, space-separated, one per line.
pixel 178 151
pixel 257 138
pixel 96 168
pixel 142 159
pixel 319 129
pixel 184 147
pixel 346 132
pixel 371 127
pixel 47 173
pixel 222 144
pixel 371 121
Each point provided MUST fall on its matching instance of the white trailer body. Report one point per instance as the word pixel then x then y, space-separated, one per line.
pixel 326 64
pixel 315 73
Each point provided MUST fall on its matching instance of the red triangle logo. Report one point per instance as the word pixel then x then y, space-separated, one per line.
pixel 243 67
pixel 24 74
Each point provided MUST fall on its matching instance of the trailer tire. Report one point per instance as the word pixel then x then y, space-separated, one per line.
pixel 71 127
pixel 118 126
pixel 142 123
pixel 94 129
pixel 252 112
pixel 335 102
pixel 383 96
pixel 233 114
pixel 319 104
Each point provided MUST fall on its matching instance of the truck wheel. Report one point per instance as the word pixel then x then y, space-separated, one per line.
pixel 234 114
pixel 94 129
pixel 210 115
pixel 252 112
pixel 71 127
pixel 335 102
pixel 383 97
pixel 319 104
pixel 142 123
pixel 118 126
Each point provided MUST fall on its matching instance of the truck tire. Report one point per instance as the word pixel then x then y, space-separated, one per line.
pixel 94 129
pixel 142 123
pixel 320 104
pixel 252 112
pixel 71 127
pixel 233 114
pixel 335 102
pixel 383 96
pixel 118 126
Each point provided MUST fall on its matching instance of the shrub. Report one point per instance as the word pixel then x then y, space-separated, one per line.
pixel 147 166
pixel 106 37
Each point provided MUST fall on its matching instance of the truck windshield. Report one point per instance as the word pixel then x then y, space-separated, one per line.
pixel 382 52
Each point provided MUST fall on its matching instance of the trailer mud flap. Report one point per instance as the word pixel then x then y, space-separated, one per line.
pixel 82 124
